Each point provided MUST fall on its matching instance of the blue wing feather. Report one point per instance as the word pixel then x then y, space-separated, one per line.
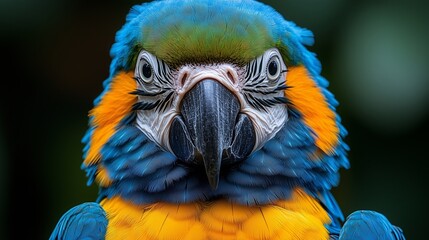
pixel 85 221
pixel 369 225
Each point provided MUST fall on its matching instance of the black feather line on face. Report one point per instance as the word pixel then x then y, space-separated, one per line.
pixel 247 76
pixel 162 75
pixel 139 80
pixel 281 100
pixel 140 92
pixel 253 73
pixel 161 92
pixel 165 102
pixel 264 103
pixel 282 87
pixel 145 105
pixel 259 86
pixel 265 92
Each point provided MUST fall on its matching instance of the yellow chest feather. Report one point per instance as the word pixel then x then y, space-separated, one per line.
pixel 300 217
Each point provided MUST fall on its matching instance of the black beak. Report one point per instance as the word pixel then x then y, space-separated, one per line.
pixel 211 128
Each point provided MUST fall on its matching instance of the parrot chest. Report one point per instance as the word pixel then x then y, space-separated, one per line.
pixel 300 217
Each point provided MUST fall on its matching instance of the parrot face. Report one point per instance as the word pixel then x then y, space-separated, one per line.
pixel 242 107
pixel 213 99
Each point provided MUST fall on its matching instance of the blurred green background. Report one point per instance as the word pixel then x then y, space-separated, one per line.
pixel 55 55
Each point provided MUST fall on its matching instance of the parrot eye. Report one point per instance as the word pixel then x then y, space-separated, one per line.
pixel 273 68
pixel 146 73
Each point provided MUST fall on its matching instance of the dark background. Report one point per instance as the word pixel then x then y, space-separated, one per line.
pixel 55 55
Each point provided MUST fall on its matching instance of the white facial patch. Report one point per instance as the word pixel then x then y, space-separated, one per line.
pixel 263 95
pixel 158 88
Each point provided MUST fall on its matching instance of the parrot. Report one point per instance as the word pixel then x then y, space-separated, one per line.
pixel 215 123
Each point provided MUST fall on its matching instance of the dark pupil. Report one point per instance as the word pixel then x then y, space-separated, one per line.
pixel 147 70
pixel 272 68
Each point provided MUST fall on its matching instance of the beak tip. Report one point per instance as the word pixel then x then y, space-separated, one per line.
pixel 212 168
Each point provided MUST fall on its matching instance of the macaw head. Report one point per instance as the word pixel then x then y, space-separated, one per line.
pixel 209 99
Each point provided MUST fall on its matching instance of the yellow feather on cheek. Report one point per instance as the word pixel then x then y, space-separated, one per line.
pixel 308 99
pixel 113 107
pixel 117 102
pixel 300 217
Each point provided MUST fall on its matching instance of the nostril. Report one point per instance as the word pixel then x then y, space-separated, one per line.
pixel 230 76
pixel 183 78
